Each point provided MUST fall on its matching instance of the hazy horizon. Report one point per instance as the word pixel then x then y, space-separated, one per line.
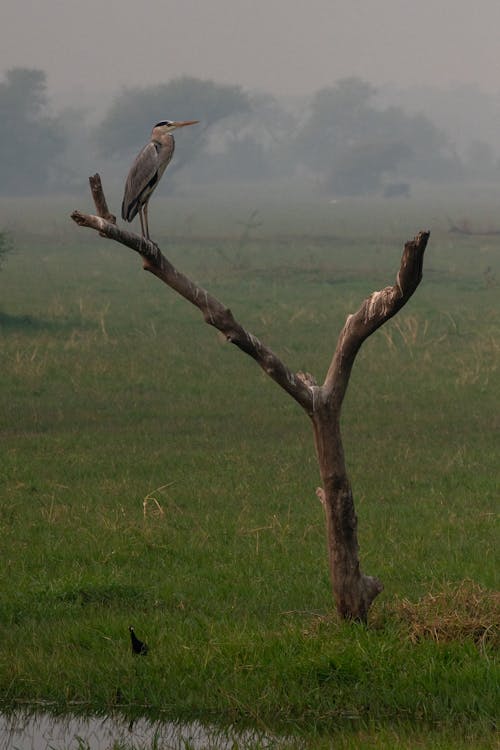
pixel 280 46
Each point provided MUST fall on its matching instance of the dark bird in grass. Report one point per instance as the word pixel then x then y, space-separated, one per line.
pixel 138 646
pixel 147 170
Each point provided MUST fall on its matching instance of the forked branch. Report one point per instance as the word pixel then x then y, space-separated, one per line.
pixel 374 311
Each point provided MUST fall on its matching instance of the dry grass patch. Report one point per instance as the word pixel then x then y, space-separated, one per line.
pixel 464 612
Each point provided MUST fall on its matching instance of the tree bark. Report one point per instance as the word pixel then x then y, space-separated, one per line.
pixel 353 591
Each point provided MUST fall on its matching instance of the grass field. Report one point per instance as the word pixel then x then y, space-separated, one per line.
pixel 152 475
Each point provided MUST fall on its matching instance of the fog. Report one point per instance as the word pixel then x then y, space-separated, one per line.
pixel 286 47
pixel 391 90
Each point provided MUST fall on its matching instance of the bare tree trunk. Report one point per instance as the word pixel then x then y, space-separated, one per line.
pixel 353 591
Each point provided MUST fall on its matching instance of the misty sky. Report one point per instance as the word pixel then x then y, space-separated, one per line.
pixel 280 46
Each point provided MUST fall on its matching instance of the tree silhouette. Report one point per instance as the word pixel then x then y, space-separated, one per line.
pixel 31 141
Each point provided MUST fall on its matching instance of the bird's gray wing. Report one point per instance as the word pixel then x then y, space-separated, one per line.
pixel 141 179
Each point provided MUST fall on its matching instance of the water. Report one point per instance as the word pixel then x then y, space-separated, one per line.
pixel 25 731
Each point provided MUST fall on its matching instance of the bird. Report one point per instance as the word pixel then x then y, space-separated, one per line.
pixel 147 170
pixel 138 646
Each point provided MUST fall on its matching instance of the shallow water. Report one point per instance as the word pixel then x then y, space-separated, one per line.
pixel 23 731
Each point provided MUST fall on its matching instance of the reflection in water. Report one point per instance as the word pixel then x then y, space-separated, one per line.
pixel 44 732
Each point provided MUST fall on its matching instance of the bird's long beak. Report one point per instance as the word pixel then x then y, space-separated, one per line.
pixel 183 123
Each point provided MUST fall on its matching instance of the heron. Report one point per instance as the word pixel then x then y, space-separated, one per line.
pixel 147 170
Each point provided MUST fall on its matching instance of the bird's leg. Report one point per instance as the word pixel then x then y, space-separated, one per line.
pixel 146 219
pixel 142 222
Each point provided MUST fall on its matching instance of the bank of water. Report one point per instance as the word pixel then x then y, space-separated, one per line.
pixel 41 731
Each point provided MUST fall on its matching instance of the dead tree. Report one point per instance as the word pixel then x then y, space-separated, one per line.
pixel 353 591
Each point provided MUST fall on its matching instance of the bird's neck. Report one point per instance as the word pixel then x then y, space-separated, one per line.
pixel 161 138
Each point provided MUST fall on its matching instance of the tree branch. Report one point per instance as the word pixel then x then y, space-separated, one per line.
pixel 99 199
pixel 214 312
pixel 373 313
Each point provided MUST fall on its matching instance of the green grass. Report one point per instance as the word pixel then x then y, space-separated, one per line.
pixel 151 474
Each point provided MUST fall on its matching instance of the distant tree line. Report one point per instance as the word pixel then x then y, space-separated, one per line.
pixel 342 139
pixel 354 146
pixel 30 139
